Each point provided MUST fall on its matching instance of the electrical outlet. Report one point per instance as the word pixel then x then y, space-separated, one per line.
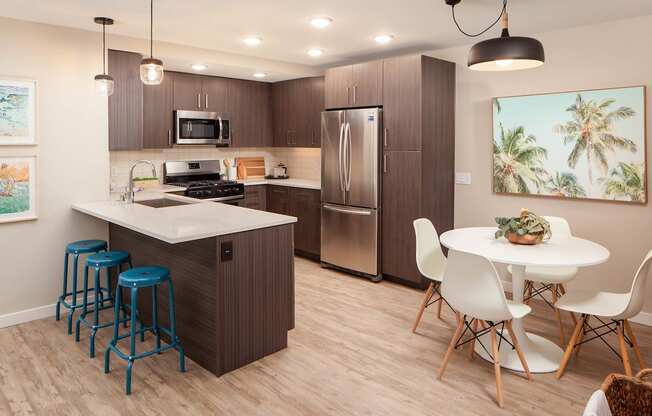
pixel 463 178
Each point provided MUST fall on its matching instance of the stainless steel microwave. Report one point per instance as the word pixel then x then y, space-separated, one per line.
pixel 202 127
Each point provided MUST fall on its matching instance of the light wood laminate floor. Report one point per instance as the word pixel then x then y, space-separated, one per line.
pixel 352 353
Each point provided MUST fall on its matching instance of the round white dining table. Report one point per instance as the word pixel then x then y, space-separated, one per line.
pixel 542 355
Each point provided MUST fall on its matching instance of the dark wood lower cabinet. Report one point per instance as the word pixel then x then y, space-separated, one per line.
pixel 305 204
pixel 255 197
pixel 229 312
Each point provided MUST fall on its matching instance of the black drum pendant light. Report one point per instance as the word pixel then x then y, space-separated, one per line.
pixel 103 82
pixel 506 53
pixel 151 69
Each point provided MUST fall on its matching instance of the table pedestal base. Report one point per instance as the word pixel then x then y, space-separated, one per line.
pixel 542 356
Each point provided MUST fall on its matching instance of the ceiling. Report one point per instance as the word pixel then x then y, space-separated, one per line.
pixel 287 34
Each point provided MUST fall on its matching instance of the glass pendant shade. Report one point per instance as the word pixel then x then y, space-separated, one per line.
pixel 151 71
pixel 104 85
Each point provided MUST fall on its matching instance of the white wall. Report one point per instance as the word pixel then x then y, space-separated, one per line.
pixel 606 55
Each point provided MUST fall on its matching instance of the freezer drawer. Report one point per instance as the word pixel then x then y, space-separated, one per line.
pixel 349 238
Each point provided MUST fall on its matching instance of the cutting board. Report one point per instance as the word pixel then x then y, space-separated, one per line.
pixel 251 167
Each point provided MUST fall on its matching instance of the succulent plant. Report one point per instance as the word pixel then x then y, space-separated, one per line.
pixel 527 223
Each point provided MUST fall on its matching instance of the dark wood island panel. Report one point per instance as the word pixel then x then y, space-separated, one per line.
pixel 230 312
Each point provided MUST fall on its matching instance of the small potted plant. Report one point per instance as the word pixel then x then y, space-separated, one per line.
pixel 527 229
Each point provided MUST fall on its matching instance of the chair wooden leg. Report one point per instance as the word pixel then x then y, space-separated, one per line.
pixel 569 349
pixel 580 338
pixel 519 351
pixel 637 351
pixel 474 326
pixel 451 346
pixel 496 354
pixel 440 302
pixel 623 349
pixel 426 298
pixel 558 315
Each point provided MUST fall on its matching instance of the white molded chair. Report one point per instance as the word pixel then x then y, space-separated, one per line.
pixel 431 263
pixel 616 308
pixel 551 279
pixel 473 288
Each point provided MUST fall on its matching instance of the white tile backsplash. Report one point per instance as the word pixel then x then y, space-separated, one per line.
pixel 302 163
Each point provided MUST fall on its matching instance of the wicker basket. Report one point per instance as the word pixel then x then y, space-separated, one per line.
pixel 629 396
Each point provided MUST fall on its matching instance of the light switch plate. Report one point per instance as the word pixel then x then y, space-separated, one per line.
pixel 463 178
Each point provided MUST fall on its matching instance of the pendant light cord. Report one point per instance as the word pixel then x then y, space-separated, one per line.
pixel 104 48
pixel 151 28
pixel 475 35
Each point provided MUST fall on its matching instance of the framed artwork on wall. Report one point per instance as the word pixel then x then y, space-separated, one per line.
pixel 17 112
pixel 17 188
pixel 588 144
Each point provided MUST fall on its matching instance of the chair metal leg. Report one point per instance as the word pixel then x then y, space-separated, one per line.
pixel 519 351
pixel 157 333
pixel 96 313
pixel 116 327
pixel 496 357
pixel 73 301
pixel 571 344
pixel 623 349
pixel 426 298
pixel 84 304
pixel 130 365
pixel 637 351
pixel 558 314
pixel 65 286
pixel 451 346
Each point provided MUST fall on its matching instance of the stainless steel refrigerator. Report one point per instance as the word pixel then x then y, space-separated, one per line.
pixel 350 191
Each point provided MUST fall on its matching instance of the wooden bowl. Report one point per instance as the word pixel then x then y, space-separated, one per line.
pixel 527 239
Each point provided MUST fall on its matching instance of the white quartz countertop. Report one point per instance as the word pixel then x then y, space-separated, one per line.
pixel 295 183
pixel 176 224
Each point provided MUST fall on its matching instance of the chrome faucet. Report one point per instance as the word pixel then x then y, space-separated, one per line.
pixel 130 186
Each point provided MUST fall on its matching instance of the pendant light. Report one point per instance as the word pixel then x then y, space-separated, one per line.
pixel 103 82
pixel 151 69
pixel 505 53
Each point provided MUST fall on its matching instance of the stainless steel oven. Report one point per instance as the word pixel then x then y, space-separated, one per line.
pixel 202 127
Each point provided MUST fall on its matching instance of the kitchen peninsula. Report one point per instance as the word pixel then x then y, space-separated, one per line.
pixel 232 267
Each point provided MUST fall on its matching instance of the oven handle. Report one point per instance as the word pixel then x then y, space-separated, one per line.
pixel 219 121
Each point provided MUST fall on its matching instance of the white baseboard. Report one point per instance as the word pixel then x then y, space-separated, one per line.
pixel 643 318
pixel 40 312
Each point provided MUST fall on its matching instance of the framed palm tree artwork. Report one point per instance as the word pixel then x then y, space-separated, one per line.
pixel 584 144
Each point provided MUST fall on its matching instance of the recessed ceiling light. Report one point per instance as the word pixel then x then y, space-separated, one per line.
pixel 321 22
pixel 315 52
pixel 260 75
pixel 383 39
pixel 198 67
pixel 252 40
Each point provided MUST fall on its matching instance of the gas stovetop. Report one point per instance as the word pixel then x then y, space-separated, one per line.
pixel 202 180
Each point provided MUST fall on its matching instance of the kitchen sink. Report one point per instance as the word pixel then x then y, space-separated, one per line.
pixel 162 203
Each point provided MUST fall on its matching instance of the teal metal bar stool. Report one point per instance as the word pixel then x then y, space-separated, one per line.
pixel 142 277
pixel 98 261
pixel 75 249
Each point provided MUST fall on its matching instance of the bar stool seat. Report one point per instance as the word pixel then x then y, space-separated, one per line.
pixel 144 276
pixel 108 259
pixel 86 246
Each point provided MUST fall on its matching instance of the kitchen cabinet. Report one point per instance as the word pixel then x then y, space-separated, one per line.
pixel 214 90
pixel 158 118
pixel 126 102
pixel 249 106
pixel 297 105
pixel 359 85
pixel 418 157
pixel 187 91
pixel 255 197
pixel 305 204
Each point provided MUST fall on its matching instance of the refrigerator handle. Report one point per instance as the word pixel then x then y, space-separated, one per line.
pixel 340 161
pixel 347 211
pixel 347 136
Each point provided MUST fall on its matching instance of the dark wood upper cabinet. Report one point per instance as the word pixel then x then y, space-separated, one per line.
pixel 249 106
pixel 359 85
pixel 296 106
pixel 402 90
pixel 126 102
pixel 338 83
pixel 214 91
pixel 188 92
pixel 158 118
